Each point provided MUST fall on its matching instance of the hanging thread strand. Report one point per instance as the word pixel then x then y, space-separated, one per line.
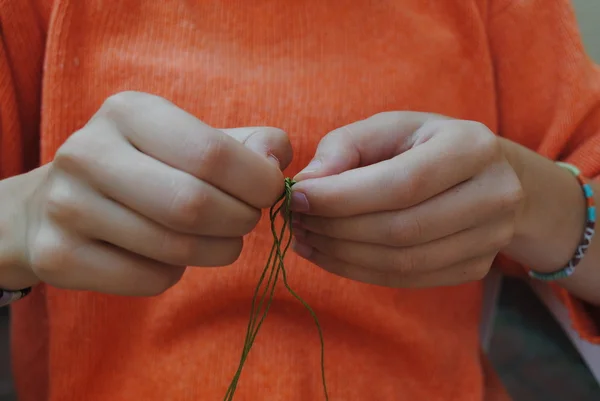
pixel 273 269
pixel 271 265
pixel 252 329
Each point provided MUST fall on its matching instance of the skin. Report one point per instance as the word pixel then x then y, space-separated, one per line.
pixel 406 199
pixel 401 199
pixel 140 192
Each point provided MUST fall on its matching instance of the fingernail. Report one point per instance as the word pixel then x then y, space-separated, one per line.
pixel 313 166
pixel 303 250
pixel 274 160
pixel 299 202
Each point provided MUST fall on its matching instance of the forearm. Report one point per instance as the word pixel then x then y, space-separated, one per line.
pixel 13 198
pixel 552 221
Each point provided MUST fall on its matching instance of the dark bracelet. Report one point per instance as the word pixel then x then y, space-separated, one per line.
pixel 7 296
pixel 588 234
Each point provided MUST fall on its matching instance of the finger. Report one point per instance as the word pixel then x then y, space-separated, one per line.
pixel 417 259
pixel 165 132
pixel 64 261
pixel 271 143
pixel 365 142
pixel 471 270
pixel 92 216
pixel 443 161
pixel 164 194
pixel 464 206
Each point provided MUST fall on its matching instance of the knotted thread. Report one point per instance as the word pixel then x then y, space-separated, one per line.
pixel 263 294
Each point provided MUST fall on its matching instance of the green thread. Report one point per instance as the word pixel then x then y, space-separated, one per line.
pixel 273 269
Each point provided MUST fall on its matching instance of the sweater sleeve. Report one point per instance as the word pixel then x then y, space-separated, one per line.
pixel 548 99
pixel 22 40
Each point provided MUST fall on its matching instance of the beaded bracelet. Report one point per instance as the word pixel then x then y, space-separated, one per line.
pixel 588 234
pixel 8 297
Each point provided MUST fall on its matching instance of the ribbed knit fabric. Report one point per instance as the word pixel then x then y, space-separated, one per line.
pixel 307 67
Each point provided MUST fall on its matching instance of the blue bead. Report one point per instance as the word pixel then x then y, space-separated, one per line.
pixel 587 190
pixel 591 213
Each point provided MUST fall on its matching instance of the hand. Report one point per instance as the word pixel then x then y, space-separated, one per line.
pixel 406 199
pixel 145 189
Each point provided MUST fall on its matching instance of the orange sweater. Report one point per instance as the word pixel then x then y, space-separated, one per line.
pixel 306 66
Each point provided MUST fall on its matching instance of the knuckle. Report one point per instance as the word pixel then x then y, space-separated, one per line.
pixel 120 98
pixel 279 145
pixel 163 280
pixel 394 120
pixel 396 281
pixel 182 249
pixel 513 196
pixel 188 206
pixel 410 188
pixel 76 151
pixel 49 257
pixel 404 232
pixel 212 156
pixel 87 146
pixel 231 253
pixel 119 104
pixel 176 273
pixel 503 235
pixel 411 120
pixel 334 135
pixel 122 104
pixel 392 117
pixel 478 271
pixel 405 263
pixel 123 100
pixel 61 203
pixel 249 223
pixel 477 128
pixel 481 139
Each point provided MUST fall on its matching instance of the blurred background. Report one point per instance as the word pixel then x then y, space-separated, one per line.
pixel 588 14
pixel 533 356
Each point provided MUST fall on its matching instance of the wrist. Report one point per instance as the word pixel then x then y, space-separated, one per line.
pixel 15 193
pixel 551 221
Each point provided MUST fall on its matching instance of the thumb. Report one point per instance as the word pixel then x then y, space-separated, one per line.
pixel 335 154
pixel 269 142
pixel 364 142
